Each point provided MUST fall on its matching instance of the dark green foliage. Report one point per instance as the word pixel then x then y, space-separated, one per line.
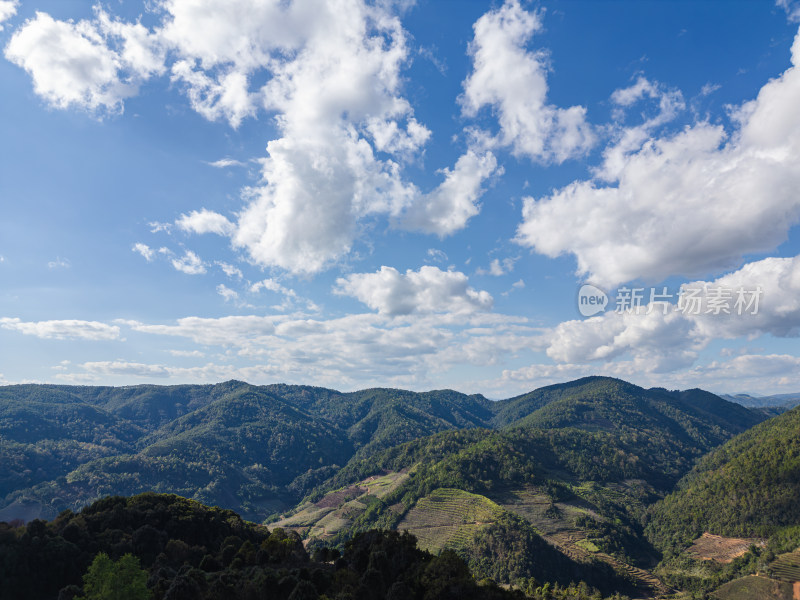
pixel 206 553
pixel 748 487
pixel 227 444
pixel 115 580
pixel 510 550
pixel 671 428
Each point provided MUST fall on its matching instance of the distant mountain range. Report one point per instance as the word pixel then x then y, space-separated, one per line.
pixel 596 480
pixel 783 401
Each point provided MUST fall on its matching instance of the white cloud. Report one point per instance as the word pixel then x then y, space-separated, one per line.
pixel 370 349
pixel 691 204
pixel 119 367
pixel 512 80
pixel 225 331
pixel 59 263
pixel 156 227
pixel 792 8
pixel 273 286
pixel 8 8
pixel 205 221
pixel 187 353
pixel 224 96
pixel 498 267
pixel 69 329
pixel 230 270
pixel 389 137
pixel 664 342
pixel 664 338
pixel 224 163
pixel 189 263
pixel 94 65
pixel 517 285
pixel 427 290
pixel 437 255
pixel 227 293
pixel 146 251
pixel 448 208
pixel 290 297
pixel 334 82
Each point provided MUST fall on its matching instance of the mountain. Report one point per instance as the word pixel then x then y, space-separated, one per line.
pixel 575 475
pixel 748 487
pixel 553 485
pixel 378 418
pixel 735 514
pixel 782 401
pixel 255 449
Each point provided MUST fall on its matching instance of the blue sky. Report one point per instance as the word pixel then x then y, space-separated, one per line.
pixel 404 194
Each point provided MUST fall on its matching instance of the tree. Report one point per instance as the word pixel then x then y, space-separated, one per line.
pixel 106 579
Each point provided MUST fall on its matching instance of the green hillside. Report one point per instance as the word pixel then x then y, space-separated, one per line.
pixel 255 449
pixel 558 482
pixel 748 487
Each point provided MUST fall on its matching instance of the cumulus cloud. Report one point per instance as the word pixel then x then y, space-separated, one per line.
pixel 69 329
pixel 205 221
pixel 447 209
pixel 513 82
pixel 665 335
pixel 93 65
pixel 8 8
pixel 428 290
pixel 792 8
pixel 189 263
pixel 146 251
pixel 334 84
pixel 691 203
pixel 225 331
pixel 272 286
pixel 227 293
pixel 437 255
pixel 230 270
pixel 498 267
pixel 354 350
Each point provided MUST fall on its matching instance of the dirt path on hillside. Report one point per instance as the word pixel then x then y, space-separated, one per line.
pixel 796 588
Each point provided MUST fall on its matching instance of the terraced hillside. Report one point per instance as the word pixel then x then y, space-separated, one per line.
pixel 449 518
pixel 557 523
pixel 338 510
pixel 786 567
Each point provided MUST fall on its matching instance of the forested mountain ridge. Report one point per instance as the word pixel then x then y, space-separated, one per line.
pixel 258 449
pixel 748 487
pixel 552 484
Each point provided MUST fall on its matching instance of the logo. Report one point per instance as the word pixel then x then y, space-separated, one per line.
pixel 591 300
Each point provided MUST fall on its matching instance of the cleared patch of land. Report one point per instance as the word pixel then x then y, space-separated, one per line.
pixel 721 549
pixel 787 567
pixel 555 522
pixel 337 509
pixel 754 587
pixel 449 518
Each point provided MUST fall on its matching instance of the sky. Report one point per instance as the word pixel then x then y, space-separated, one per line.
pixel 482 196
